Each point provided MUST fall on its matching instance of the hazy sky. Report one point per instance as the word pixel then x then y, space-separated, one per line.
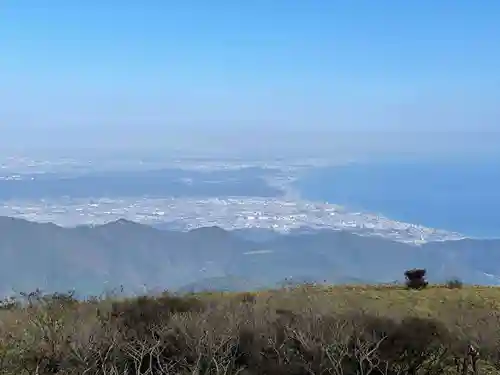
pixel 122 69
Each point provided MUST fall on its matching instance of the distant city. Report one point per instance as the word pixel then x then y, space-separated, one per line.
pixel 281 214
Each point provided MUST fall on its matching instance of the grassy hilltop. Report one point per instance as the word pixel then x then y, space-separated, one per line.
pixel 304 330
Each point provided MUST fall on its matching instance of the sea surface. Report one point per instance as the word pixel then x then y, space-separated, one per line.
pixel 167 182
pixel 461 196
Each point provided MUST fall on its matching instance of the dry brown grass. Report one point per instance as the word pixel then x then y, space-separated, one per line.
pixel 306 330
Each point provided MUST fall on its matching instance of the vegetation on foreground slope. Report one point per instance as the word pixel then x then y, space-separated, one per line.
pixel 305 330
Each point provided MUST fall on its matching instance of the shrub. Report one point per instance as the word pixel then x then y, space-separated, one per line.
pixel 454 284
pixel 286 333
pixel 142 313
pixel 413 345
pixel 248 298
pixel 415 278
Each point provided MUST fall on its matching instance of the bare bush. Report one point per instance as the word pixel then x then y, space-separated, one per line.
pixel 284 332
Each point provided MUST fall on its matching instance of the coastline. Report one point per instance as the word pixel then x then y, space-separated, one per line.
pixel 431 198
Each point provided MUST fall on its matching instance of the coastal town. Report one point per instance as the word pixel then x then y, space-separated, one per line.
pixel 229 213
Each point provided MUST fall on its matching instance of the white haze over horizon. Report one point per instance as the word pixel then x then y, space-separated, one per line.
pixel 245 142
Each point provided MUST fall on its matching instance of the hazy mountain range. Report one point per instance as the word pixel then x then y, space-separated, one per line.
pixel 91 259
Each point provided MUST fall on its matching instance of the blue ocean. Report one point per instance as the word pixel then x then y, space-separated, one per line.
pixel 461 196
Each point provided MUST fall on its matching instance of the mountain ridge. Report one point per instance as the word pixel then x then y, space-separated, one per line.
pixel 129 254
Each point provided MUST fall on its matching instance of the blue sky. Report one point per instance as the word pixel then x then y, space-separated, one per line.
pixel 180 66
